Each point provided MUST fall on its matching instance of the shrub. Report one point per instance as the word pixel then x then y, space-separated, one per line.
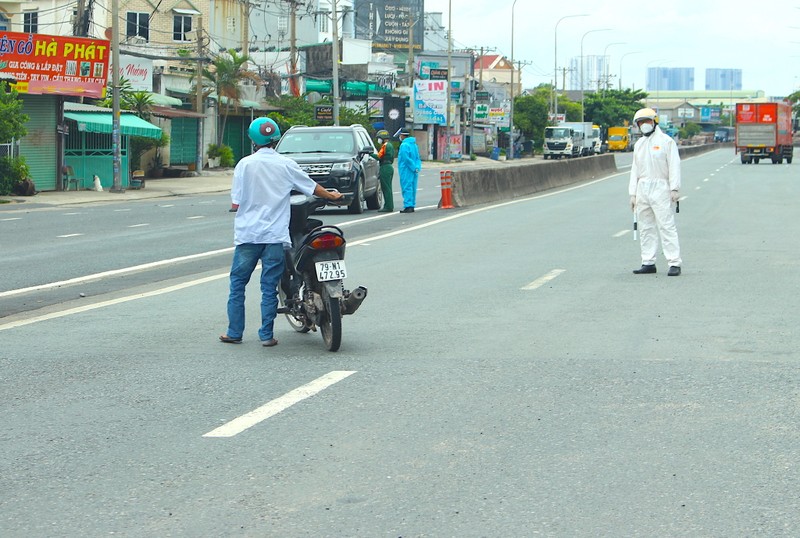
pixel 12 171
pixel 226 159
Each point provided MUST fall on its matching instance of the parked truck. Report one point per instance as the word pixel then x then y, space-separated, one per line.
pixel 597 140
pixel 560 142
pixel 764 130
pixel 619 139
pixel 584 136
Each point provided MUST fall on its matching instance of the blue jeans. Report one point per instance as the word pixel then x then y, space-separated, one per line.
pixel 245 258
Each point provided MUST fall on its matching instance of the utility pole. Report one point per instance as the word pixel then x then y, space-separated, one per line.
pixel 449 84
pixel 410 70
pixel 335 54
pixel 115 130
pixel 293 84
pixel 480 69
pixel 198 163
pixel 80 14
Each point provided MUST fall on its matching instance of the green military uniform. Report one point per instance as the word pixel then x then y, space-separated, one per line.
pixel 386 156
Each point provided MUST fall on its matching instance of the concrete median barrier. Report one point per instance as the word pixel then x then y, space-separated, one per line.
pixel 480 185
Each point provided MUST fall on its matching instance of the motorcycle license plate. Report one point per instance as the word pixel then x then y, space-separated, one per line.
pixel 331 270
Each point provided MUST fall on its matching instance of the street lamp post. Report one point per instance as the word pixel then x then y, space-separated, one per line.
pixel 511 108
pixel 582 38
pixel 449 84
pixel 620 65
pixel 607 75
pixel 555 62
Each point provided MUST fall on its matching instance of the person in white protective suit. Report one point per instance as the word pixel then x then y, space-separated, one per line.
pixel 654 190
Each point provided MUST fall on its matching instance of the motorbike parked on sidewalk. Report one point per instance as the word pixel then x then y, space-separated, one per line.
pixel 311 292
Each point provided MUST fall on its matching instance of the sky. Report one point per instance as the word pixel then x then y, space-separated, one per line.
pixel 762 41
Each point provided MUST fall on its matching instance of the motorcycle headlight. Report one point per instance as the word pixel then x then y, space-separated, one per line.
pixel 340 167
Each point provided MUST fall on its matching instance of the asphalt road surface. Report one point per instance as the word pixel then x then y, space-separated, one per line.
pixel 507 375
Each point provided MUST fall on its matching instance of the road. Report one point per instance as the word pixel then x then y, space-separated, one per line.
pixel 506 376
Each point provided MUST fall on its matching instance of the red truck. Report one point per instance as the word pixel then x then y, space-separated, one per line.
pixel 764 130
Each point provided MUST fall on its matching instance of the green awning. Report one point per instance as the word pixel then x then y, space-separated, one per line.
pixel 98 122
pixel 164 100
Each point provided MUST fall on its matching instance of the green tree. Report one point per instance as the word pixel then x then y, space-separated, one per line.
pixel 224 77
pixel 12 126
pixel 140 104
pixel 794 99
pixel 298 111
pixel 613 107
pixel 689 130
pixel 531 113
pixel 12 120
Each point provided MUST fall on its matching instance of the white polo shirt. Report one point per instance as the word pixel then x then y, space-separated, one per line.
pixel 262 184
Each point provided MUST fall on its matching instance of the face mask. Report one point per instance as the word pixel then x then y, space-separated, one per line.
pixel 646 128
pixel 380 141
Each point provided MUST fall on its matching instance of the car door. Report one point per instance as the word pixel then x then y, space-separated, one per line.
pixel 371 166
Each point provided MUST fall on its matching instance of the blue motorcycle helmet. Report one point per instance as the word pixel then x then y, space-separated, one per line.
pixel 263 131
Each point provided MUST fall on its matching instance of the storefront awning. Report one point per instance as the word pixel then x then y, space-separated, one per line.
pixel 245 103
pixel 164 100
pixel 130 125
pixel 167 112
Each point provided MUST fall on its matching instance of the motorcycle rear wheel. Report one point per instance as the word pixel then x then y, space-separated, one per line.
pixel 331 323
pixel 297 324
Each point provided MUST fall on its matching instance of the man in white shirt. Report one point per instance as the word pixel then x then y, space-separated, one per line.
pixel 262 185
pixel 653 188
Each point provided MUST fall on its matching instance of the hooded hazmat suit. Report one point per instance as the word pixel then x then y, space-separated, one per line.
pixel 409 164
pixel 655 173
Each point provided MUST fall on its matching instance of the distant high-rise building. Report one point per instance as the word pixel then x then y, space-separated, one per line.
pixel 723 79
pixel 594 73
pixel 670 79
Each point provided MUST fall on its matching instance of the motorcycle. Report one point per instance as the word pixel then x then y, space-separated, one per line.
pixel 312 293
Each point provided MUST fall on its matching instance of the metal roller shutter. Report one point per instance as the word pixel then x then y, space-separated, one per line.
pixel 39 145
pixel 183 141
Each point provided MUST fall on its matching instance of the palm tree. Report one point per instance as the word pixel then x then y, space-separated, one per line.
pixel 223 77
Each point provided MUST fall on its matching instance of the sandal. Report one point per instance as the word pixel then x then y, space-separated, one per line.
pixel 228 340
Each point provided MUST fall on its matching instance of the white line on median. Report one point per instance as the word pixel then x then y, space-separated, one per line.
pixel 248 420
pixel 543 279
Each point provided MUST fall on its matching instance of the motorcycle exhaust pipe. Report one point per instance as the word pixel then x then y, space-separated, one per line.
pixel 353 300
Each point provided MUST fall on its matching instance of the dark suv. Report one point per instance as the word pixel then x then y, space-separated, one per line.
pixel 338 158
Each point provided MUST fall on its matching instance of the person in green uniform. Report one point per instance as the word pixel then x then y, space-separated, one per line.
pixel 386 157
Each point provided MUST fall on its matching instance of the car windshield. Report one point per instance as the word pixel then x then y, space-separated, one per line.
pixel 615 137
pixel 558 133
pixel 316 141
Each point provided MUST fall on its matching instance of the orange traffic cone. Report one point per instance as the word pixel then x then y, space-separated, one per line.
pixel 446 177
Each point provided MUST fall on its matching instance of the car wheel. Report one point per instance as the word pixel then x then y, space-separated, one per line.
pixel 376 200
pixel 356 207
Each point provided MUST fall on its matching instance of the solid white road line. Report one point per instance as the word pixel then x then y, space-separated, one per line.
pixel 623 232
pixel 14 218
pixel 543 279
pixel 69 235
pixel 248 420
pixel 367 240
pixel 138 225
pixel 115 272
pixel 103 304
pixel 196 217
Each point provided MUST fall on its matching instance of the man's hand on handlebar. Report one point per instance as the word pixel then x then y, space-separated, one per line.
pixel 330 195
